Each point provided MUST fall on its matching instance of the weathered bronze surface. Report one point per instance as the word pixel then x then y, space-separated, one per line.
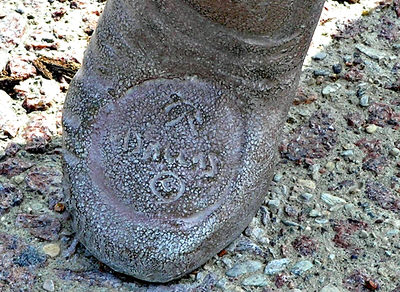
pixel 172 123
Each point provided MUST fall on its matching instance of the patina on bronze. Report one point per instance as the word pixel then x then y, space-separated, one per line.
pixel 172 123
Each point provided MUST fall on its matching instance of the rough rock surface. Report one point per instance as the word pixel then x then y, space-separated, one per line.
pixel 352 246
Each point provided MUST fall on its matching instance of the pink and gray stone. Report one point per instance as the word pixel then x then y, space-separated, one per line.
pixel 172 123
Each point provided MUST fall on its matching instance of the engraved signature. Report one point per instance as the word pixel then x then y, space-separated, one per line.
pixel 167 186
pixel 133 144
pixel 183 111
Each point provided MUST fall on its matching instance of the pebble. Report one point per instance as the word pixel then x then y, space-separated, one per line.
pixel 395 152
pixel 9 121
pixel 222 284
pixel 284 190
pixel 317 73
pixel 306 196
pixel 309 184
pixel 319 80
pixel 337 68
pixel 364 101
pixel 259 234
pixel 265 216
pixel 371 52
pixel 354 190
pixel 361 90
pixel 244 268
pixel 349 207
pixel 370 129
pixel 315 174
pixel 321 221
pixel 290 223
pixel 200 276
pixel 274 205
pixel 258 280
pixel 48 285
pixel 347 153
pixel 330 89
pixel 276 266
pixel 315 213
pixel 278 177
pixel 330 288
pixel 303 112
pixel 347 58
pixel 330 166
pixel 301 267
pixel 227 262
pixel 319 56
pixel 363 234
pixel 348 146
pixel 331 200
pixel 18 179
pixel 335 208
pixel 51 249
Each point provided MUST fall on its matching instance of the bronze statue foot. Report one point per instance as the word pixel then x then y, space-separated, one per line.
pixel 172 123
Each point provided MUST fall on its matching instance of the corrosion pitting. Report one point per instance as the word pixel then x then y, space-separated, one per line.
pixel 171 128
